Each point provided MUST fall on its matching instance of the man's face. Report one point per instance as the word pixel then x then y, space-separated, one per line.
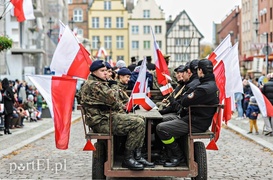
pixel 186 75
pixel 109 73
pixel 101 73
pixel 179 76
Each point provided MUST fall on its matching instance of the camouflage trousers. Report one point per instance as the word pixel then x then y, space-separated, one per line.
pixel 130 125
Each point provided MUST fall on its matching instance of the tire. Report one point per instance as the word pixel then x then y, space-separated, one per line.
pixel 99 158
pixel 200 157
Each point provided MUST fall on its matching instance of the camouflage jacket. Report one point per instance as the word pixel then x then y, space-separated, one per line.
pixel 121 91
pixel 97 98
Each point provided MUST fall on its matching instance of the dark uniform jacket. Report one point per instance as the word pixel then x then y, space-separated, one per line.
pixel 132 67
pixel 97 98
pixel 267 90
pixel 205 94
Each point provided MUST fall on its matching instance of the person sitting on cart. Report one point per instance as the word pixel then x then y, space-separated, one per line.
pixel 98 101
pixel 206 93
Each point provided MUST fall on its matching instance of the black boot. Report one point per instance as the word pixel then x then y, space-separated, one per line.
pixel 141 160
pixel 6 131
pixel 176 157
pixel 129 161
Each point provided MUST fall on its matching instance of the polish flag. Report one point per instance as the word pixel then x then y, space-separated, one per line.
pixel 221 50
pixel 59 93
pixel 264 104
pixel 23 10
pixel 70 57
pixel 61 30
pixel 162 71
pixel 147 89
pixel 167 89
pixel 138 95
pixel 101 52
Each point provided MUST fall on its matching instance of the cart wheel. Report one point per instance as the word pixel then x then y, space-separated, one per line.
pixel 99 158
pixel 200 157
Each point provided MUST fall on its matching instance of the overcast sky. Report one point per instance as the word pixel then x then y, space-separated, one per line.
pixel 202 12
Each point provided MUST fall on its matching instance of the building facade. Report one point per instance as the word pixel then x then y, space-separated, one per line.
pixel 108 29
pixel 183 40
pixel 146 17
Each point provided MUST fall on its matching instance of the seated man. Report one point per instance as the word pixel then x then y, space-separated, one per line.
pixel 97 98
pixel 206 93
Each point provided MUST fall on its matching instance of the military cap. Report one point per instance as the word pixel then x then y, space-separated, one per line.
pixel 193 65
pixel 205 65
pixel 108 66
pixel 180 68
pixel 148 58
pixel 124 71
pixel 97 65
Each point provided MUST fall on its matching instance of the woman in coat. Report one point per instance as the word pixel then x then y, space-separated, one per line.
pixel 8 99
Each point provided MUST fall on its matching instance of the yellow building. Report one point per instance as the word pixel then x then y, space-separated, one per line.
pixel 108 29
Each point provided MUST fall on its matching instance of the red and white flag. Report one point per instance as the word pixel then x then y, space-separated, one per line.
pixel 264 104
pixel 101 52
pixel 138 95
pixel 167 89
pixel 161 67
pixel 59 93
pixel 70 57
pixel 23 10
pixel 61 30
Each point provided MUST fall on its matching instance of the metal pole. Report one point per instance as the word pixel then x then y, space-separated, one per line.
pixel 266 55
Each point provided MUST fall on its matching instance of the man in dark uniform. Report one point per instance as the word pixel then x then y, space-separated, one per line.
pixel 206 93
pixel 98 98
pixel 150 65
pixel 133 65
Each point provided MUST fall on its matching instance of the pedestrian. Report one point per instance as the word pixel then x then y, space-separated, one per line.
pixel 252 113
pixel 169 131
pixel 150 65
pixel 100 102
pixel 267 90
pixel 239 106
pixel 8 99
pixel 133 65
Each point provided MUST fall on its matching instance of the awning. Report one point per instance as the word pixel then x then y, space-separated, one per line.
pixel 26 51
pixel 250 58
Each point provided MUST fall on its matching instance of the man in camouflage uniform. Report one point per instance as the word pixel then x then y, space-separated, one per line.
pixel 97 98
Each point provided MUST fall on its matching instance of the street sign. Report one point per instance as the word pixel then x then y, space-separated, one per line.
pixel 269 50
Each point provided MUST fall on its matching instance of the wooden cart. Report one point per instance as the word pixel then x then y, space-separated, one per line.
pixel 106 163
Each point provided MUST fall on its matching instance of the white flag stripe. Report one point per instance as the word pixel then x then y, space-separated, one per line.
pixel 259 98
pixel 43 84
pixel 65 53
pixel 28 9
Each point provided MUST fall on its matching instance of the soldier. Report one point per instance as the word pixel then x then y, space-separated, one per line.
pixel 97 98
pixel 206 93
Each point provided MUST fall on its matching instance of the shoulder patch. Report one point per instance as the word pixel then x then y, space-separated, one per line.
pixel 191 95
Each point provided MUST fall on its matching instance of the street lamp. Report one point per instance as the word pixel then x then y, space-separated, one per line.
pixel 111 53
pixel 50 22
pixel 72 23
pixel 98 44
pixel 256 23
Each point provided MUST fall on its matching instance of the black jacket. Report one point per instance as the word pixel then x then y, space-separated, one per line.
pixel 8 97
pixel 267 90
pixel 204 94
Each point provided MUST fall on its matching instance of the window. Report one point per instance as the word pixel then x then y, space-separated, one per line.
pixel 95 42
pixel 182 57
pixel 120 58
pixel 146 13
pixel 159 44
pixel 77 15
pixel 134 29
pixel 146 45
pixel 107 5
pixel 69 1
pixel 107 22
pixel 158 30
pixel 184 28
pixel 120 42
pixel 80 32
pixel 135 44
pixel 178 41
pixel 146 29
pixel 182 41
pixel 108 42
pixel 119 22
pixel 95 22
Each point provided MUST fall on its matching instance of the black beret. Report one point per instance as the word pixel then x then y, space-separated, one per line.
pixel 97 65
pixel 124 71
pixel 206 66
pixel 108 66
pixel 180 68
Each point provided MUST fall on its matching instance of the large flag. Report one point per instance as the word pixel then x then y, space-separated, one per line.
pixel 70 57
pixel 161 67
pixel 59 93
pixel 138 95
pixel 264 104
pixel 23 10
